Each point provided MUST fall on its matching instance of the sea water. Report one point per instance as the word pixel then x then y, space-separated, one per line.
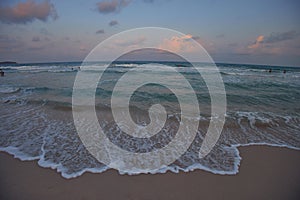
pixel 36 120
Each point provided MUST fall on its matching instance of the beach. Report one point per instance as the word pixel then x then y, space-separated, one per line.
pixel 265 173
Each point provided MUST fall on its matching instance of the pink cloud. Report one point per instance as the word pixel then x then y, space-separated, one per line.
pixel 131 43
pixel 82 48
pixel 27 11
pixel 177 44
pixel 105 7
pixel 261 46
pixel 259 40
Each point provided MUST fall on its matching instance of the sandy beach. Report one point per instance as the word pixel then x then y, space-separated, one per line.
pixel 265 173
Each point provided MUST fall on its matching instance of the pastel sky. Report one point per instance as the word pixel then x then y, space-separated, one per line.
pixel 233 31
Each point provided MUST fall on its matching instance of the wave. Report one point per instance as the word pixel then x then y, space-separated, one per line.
pixel 125 65
pixel 55 143
pixel 63 170
pixel 230 71
pixel 8 89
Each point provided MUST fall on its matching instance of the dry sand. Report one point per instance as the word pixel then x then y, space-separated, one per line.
pixel 265 173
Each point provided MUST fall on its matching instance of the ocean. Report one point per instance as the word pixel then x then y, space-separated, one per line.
pixel 36 121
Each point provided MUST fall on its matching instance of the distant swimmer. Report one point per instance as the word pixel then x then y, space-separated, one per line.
pixel 284 71
pixel 1 72
pixel 270 70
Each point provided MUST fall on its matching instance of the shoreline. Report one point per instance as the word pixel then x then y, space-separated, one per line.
pixel 264 173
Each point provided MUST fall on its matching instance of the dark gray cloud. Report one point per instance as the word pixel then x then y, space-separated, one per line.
pixel 112 6
pixel 100 31
pixel 220 36
pixel 278 37
pixel 36 39
pixel 28 11
pixel 113 23
pixel 196 37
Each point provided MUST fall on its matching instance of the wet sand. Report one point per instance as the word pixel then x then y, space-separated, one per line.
pixel 265 173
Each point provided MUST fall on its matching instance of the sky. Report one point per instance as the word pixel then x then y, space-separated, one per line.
pixel 234 31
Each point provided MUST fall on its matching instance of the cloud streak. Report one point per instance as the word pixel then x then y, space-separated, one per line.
pixel 278 37
pixel 100 31
pixel 113 23
pixel 273 38
pixel 112 6
pixel 28 11
pixel 130 43
pixel 274 44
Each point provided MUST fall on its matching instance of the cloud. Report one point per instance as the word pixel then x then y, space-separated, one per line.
pixel 177 44
pixel 82 48
pixel 131 43
pixel 274 44
pixel 36 39
pixel 278 37
pixel 100 31
pixel 264 41
pixel 220 36
pixel 28 11
pixel 196 38
pixel 112 6
pixel 113 23
pixel 259 40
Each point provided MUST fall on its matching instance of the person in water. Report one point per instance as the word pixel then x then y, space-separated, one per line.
pixel 284 71
pixel 270 70
pixel 1 72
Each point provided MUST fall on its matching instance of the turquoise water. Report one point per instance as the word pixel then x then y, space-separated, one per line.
pixel 36 113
